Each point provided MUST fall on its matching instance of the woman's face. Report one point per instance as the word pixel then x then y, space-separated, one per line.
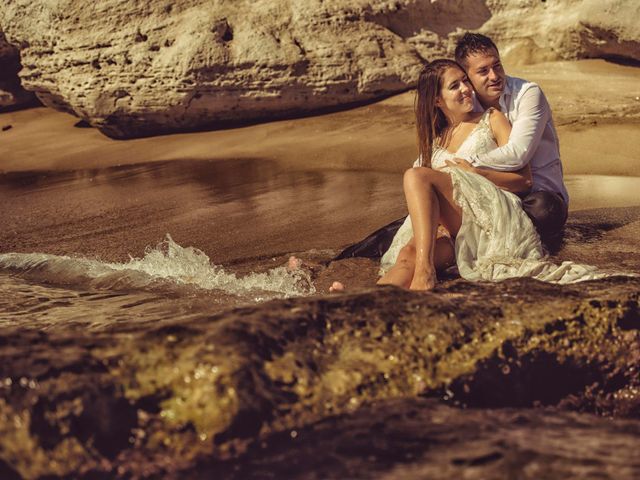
pixel 456 94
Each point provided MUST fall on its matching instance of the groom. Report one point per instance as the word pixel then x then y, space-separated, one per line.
pixel 533 141
pixel 533 138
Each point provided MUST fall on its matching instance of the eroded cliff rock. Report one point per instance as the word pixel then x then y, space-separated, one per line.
pixel 135 69
pixel 530 31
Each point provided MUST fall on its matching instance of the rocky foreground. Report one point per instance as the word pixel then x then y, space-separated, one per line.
pixel 240 392
pixel 142 68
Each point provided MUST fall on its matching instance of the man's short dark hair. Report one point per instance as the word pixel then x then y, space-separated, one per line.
pixel 471 43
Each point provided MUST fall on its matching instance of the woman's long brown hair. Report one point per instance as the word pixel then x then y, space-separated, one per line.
pixel 430 121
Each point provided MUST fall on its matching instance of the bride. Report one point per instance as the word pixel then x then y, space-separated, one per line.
pixel 494 238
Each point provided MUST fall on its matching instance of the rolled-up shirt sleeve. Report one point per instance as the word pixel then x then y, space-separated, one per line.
pixel 533 115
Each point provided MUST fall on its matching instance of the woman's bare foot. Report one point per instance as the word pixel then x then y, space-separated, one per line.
pixel 425 280
pixel 336 287
pixel 294 263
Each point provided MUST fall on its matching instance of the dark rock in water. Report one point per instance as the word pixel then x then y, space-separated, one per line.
pixel 177 398
pixel 82 124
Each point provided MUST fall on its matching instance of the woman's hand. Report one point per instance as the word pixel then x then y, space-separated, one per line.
pixel 462 164
pixel 516 182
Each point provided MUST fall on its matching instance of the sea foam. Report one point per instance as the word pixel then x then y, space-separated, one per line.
pixel 166 264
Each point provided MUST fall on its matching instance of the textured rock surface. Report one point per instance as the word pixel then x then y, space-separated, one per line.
pixel 12 95
pixel 126 398
pixel 531 30
pixel 417 439
pixel 142 68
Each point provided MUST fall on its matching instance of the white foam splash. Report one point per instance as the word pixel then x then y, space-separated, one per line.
pixel 168 261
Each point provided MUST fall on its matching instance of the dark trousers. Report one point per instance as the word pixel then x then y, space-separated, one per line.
pixel 547 211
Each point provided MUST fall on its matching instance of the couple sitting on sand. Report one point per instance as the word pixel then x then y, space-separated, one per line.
pixel 488 176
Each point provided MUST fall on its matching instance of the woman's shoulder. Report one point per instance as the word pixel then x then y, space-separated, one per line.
pixel 491 113
pixel 477 116
pixel 495 117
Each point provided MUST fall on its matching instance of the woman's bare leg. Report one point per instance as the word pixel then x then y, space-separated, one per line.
pixel 424 210
pixel 429 197
pixel 402 272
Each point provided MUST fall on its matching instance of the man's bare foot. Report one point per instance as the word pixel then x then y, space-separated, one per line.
pixel 423 281
pixel 336 287
pixel 294 263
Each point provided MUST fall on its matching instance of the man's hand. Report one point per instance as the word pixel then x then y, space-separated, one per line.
pixel 462 164
pixel 516 182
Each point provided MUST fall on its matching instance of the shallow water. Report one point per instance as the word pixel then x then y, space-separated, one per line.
pixel 218 230
pixel 49 289
pixel 231 210
pixel 602 191
pixel 221 231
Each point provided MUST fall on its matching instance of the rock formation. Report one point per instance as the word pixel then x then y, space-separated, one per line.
pixel 135 69
pixel 530 31
pixel 134 399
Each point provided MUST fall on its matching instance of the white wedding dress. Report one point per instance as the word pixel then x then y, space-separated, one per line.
pixel 497 240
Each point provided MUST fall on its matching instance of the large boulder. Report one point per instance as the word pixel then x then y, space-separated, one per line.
pixel 143 68
pixel 135 69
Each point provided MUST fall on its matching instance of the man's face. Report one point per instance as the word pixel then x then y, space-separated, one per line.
pixel 486 74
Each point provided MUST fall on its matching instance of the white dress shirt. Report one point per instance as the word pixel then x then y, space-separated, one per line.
pixel 533 138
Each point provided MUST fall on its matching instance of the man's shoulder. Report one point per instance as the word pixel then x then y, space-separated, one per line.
pixel 517 86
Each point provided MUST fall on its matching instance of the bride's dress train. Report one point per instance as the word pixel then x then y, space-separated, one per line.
pixel 497 240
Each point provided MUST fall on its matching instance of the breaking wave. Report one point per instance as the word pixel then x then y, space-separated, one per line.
pixel 168 264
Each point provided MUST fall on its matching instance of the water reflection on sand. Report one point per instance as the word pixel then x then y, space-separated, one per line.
pixel 232 209
pixel 602 191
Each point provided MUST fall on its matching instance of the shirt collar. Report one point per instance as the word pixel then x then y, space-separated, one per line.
pixel 506 95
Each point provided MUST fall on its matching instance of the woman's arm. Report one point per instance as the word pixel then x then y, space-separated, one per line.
pixel 516 182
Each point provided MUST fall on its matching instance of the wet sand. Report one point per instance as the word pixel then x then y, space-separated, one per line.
pixel 232 210
pixel 592 100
